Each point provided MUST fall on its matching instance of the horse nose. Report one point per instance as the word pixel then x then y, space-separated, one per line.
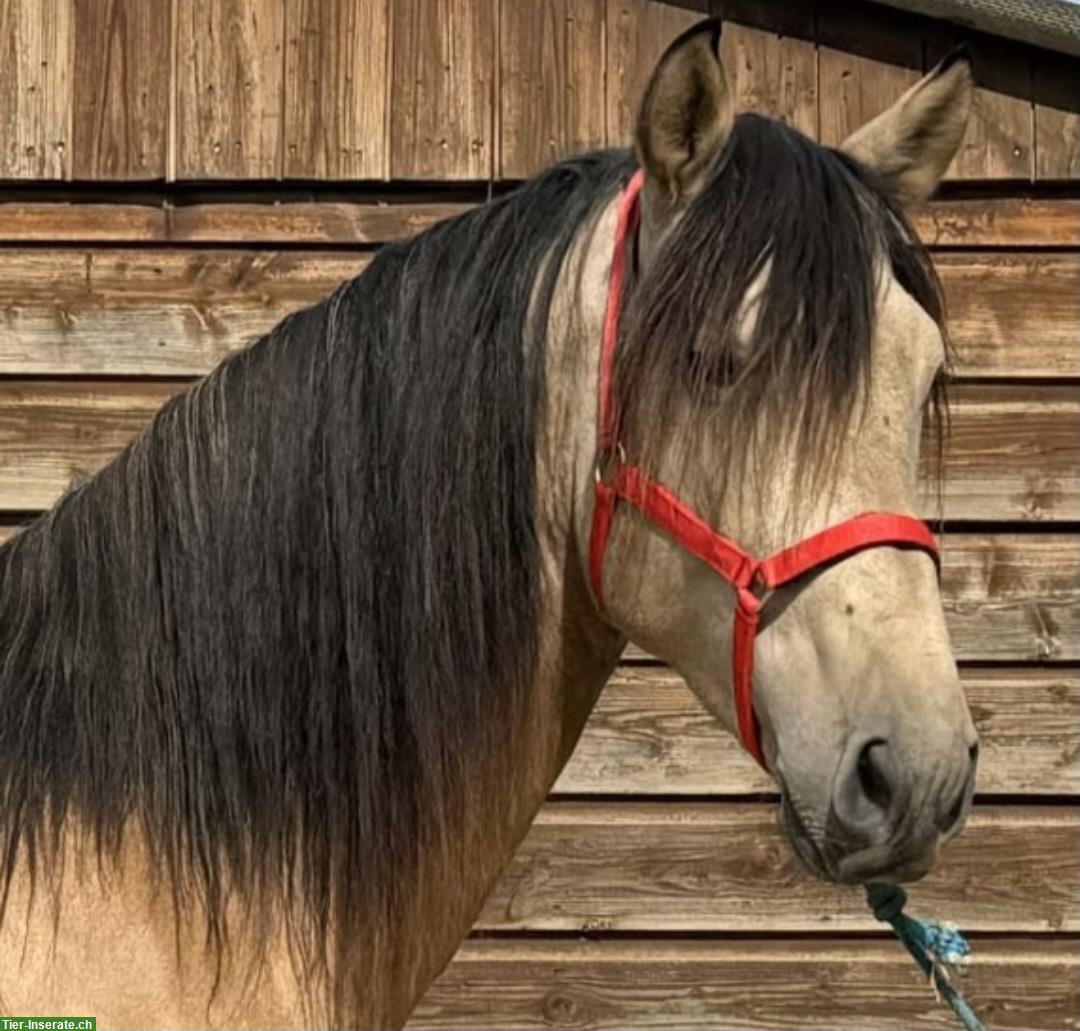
pixel 883 821
pixel 870 789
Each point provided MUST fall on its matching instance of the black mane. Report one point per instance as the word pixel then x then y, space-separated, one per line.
pixel 826 228
pixel 273 631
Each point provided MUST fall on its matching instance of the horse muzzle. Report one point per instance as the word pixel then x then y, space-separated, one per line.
pixel 879 826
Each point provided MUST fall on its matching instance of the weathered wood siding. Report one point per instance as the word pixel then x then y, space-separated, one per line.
pixel 654 890
pixel 463 89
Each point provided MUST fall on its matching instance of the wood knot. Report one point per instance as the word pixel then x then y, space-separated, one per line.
pixel 561 1009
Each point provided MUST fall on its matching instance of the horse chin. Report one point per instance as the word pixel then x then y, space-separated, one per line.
pixel 877 864
pixel 873 864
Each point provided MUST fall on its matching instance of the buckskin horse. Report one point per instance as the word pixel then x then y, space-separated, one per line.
pixel 282 686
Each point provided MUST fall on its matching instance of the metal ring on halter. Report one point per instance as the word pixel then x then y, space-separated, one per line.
pixel 603 461
pixel 758 586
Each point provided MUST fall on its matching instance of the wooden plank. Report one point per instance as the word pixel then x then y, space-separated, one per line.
pixel 532 86
pixel 443 67
pixel 551 83
pixel 336 89
pixel 310 224
pixel 1016 222
pixel 1013 453
pixel 35 88
pixel 1001 222
pixel 855 89
pixel 229 89
pixel 694 867
pixel 999 142
pixel 122 100
pixel 52 222
pixel 1012 596
pixel 1057 117
pixel 867 57
pixel 772 74
pixel 55 435
pixel 585 78
pixel 1027 984
pixel 289 222
pixel 649 735
pixel 1010 315
pixel 638 32
pixel 994 301
pixel 154 312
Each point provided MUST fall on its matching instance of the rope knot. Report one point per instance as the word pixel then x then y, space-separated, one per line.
pixel 887 901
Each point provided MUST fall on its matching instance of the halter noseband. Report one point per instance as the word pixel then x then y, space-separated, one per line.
pixel 617 480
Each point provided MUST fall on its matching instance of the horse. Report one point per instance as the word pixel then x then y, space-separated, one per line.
pixel 284 684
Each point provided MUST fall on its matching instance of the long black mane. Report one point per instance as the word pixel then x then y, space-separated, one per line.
pixel 273 631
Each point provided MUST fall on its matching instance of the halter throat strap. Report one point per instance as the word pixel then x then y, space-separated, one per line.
pixel 618 480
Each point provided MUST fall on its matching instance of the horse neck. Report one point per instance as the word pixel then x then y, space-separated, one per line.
pixel 576 640
pixel 577 651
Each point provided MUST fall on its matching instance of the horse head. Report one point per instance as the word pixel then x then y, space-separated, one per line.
pixel 780 341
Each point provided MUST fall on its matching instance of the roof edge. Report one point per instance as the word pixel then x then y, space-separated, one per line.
pixel 1053 24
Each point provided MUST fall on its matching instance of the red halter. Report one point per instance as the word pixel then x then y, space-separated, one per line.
pixel 616 479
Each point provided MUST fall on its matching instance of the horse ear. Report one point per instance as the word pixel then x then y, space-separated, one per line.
pixel 911 144
pixel 686 115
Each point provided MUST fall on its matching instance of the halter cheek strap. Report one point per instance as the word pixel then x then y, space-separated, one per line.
pixel 617 480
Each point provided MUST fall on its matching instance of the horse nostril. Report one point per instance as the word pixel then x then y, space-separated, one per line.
pixel 957 808
pixel 869 787
pixel 954 812
pixel 873 778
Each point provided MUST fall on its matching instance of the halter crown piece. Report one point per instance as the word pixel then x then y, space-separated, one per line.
pixel 752 577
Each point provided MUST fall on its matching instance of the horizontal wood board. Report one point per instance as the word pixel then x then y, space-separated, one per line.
pixel 1013 221
pixel 689 867
pixel 649 735
pixel 152 311
pixel 1025 984
pixel 1013 452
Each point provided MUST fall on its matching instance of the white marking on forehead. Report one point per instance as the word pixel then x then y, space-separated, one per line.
pixel 750 309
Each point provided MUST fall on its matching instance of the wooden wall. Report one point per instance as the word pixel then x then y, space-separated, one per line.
pixel 107 90
pixel 140 242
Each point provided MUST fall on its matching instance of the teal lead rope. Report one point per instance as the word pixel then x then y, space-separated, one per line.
pixel 937 948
